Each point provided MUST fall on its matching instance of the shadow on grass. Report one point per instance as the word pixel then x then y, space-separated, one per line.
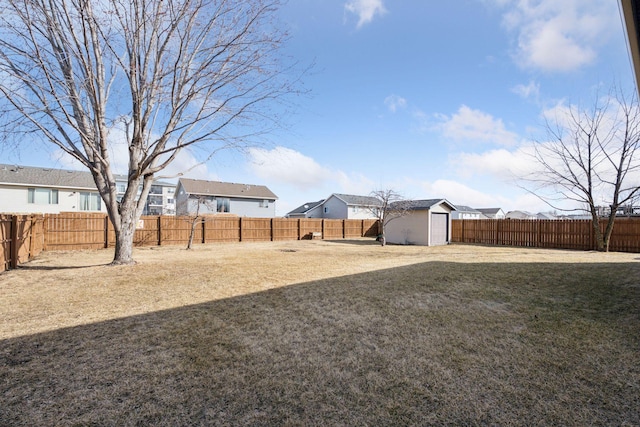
pixel 427 344
pixel 360 242
pixel 31 266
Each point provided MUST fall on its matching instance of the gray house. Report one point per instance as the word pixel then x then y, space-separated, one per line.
pixel 307 210
pixel 427 223
pixel 215 197
pixel 349 206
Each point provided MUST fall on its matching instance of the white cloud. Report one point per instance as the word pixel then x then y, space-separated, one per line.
pixel 501 163
pixel 395 102
pixel 365 9
pixel 532 90
pixel 476 126
pixel 285 165
pixel 459 193
pixel 557 35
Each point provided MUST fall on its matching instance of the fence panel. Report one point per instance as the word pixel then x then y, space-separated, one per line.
pixel 5 241
pixel 70 231
pixel 285 228
pixel 308 226
pixel 174 230
pixel 352 228
pixel 333 229
pixel 221 229
pixel 370 227
pixel 255 229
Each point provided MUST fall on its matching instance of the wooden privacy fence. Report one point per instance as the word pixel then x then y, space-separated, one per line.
pixel 557 234
pixel 69 231
pixel 21 239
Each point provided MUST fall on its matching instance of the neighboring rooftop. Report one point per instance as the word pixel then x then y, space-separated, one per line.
pixel 306 207
pixel 351 199
pixel 45 177
pixel 226 189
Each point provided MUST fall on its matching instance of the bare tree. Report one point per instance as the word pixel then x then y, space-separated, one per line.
pixel 170 74
pixel 201 201
pixel 391 205
pixel 591 156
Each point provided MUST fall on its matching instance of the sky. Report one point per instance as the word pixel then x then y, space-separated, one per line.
pixel 434 99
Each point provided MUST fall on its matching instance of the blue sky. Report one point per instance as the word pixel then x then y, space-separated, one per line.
pixel 435 99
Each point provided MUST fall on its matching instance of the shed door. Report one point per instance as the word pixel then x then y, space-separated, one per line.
pixel 439 228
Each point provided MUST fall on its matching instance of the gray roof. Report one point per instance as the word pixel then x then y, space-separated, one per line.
pixel 461 208
pixel 489 211
pixel 45 177
pixel 226 189
pixel 306 207
pixel 426 204
pixel 351 199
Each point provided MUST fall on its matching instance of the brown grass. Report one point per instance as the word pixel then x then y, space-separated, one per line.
pixel 322 333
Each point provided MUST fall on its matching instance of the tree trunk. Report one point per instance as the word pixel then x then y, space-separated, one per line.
pixel 124 238
pixel 192 232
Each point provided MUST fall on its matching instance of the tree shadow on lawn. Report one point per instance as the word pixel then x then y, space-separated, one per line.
pixel 427 344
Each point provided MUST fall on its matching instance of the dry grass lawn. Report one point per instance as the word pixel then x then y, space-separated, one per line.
pixel 322 333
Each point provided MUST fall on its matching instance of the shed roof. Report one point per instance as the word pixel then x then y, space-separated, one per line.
pixel 226 189
pixel 425 204
pixel 45 177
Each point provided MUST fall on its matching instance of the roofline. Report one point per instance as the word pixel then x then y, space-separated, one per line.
pixel 630 15
pixel 350 204
pixel 61 187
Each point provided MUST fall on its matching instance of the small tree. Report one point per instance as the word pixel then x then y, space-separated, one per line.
pixel 168 75
pixel 194 219
pixel 591 156
pixel 391 205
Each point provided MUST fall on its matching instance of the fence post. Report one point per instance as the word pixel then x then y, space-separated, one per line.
pixel 240 225
pixel 323 228
pixel 13 244
pixel 106 231
pixel 159 230
pixel 299 229
pixel 204 230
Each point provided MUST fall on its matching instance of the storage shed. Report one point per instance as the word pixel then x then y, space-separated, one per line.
pixel 426 223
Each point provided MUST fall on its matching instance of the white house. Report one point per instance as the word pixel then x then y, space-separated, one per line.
pixel 215 197
pixel 492 213
pixel 25 189
pixel 520 215
pixel 348 206
pixel 466 212
pixel 427 223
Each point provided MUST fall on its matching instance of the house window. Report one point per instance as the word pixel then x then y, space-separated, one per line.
pixel 170 201
pixel 121 187
pixel 355 209
pixel 264 204
pixel 42 196
pixel 90 202
pixel 326 209
pixel 222 204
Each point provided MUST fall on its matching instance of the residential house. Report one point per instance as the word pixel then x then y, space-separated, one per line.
pixel 492 213
pixel 160 201
pixel 307 210
pixel 546 215
pixel 25 189
pixel 466 212
pixel 348 206
pixel 520 215
pixel 215 197
pixel 427 223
